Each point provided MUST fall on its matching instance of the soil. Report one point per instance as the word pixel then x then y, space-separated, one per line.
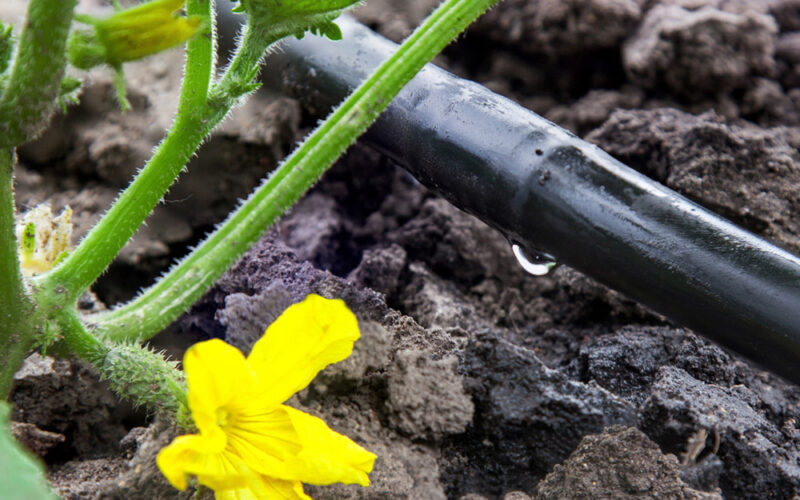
pixel 472 379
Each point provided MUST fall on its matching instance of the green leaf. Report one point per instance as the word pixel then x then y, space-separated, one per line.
pixel 21 475
pixel 298 16
pixel 328 29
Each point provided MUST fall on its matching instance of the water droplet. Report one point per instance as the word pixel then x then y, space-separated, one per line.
pixel 535 263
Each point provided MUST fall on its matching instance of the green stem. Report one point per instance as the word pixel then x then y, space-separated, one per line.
pixel 12 289
pixel 18 325
pixel 245 61
pixel 177 291
pixel 96 251
pixel 80 341
pixel 200 59
pixel 32 92
pixel 133 371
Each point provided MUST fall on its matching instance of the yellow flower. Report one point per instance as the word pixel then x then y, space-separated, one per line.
pixel 146 29
pixel 250 445
pixel 132 34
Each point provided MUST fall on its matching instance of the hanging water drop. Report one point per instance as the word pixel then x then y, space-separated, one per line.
pixel 535 263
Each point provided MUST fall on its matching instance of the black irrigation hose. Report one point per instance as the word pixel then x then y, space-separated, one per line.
pixel 545 188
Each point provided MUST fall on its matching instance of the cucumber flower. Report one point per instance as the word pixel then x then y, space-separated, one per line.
pixel 250 445
pixel 132 34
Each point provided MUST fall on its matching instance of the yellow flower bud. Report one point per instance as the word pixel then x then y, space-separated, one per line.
pixel 132 34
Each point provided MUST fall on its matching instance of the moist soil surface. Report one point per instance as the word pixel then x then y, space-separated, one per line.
pixel 472 379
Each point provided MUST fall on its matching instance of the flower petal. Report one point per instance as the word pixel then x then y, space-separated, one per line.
pixel 266 441
pixel 306 338
pixel 327 456
pixel 218 377
pixel 293 445
pixel 189 455
pixel 266 488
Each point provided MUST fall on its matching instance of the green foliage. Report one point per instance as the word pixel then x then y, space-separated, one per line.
pixel 297 17
pixel 70 90
pixel 21 475
pixel 328 29
pixel 84 50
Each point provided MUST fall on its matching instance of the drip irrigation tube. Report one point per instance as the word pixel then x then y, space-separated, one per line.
pixel 545 188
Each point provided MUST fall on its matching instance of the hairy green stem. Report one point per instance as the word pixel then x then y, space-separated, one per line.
pixel 96 251
pixel 17 325
pixel 200 59
pixel 201 109
pixel 134 372
pixel 31 95
pixel 183 285
pixel 80 341
pixel 12 289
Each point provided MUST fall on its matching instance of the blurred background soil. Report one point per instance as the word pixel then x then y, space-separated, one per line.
pixel 472 379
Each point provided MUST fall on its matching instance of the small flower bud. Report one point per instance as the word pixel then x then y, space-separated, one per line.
pixel 43 239
pixel 131 34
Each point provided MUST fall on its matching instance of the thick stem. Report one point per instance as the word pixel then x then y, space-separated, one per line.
pixel 133 371
pixel 32 91
pixel 12 288
pixel 179 289
pixel 96 251
pixel 17 325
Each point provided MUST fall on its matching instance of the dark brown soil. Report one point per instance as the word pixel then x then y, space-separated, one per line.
pixel 472 379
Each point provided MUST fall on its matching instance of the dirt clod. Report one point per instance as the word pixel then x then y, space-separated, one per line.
pixel 680 405
pixel 520 404
pixel 621 462
pixel 560 28
pixel 427 397
pixel 64 397
pixel 699 52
